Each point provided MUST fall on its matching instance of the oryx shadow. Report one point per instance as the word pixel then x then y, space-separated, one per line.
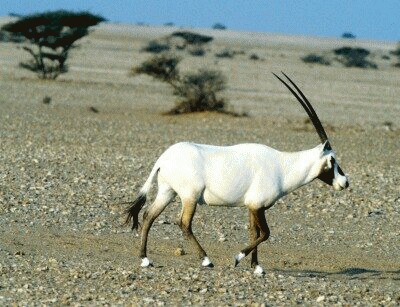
pixel 352 273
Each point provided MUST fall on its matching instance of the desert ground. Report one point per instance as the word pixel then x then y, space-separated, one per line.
pixel 66 170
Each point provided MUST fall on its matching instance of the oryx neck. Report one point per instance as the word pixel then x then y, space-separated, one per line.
pixel 300 167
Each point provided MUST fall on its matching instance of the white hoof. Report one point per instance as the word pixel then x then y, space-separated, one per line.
pixel 259 271
pixel 146 262
pixel 207 263
pixel 239 257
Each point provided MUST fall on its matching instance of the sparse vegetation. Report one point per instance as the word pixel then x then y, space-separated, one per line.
pixel 348 56
pixel 316 59
pixel 51 36
pixel 196 91
pixel 192 42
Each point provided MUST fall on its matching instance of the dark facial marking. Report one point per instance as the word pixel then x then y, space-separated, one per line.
pixel 340 170
pixel 327 176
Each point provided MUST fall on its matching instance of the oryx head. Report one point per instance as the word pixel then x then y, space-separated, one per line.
pixel 330 171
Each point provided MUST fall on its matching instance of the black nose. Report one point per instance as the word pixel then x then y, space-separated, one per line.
pixel 347 184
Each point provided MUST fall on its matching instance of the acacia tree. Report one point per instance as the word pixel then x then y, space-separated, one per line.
pixel 51 36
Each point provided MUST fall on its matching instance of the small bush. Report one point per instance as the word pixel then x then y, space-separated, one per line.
pixel 162 67
pixel 354 57
pixel 315 59
pixel 198 92
pixel 156 47
pixel 254 57
pixel 198 51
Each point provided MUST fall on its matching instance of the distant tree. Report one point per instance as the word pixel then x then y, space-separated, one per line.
pixel 51 35
pixel 348 35
pixel 191 38
pixel 192 42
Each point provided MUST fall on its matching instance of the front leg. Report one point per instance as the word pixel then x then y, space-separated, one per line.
pixel 254 235
pixel 259 232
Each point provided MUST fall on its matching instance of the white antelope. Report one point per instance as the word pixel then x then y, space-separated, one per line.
pixel 252 175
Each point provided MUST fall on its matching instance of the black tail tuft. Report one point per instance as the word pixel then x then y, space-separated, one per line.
pixel 134 209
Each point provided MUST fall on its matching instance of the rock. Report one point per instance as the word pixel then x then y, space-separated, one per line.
pixel 179 252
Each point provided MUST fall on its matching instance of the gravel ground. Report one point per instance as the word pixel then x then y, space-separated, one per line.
pixel 65 170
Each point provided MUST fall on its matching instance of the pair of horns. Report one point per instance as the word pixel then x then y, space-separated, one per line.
pixel 307 107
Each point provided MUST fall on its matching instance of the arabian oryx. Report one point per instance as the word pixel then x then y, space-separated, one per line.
pixel 252 175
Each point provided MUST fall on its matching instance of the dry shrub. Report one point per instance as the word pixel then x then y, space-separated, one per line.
pixel 198 91
pixel 316 59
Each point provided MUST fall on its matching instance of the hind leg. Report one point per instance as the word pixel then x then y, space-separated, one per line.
pixel 185 223
pixel 164 196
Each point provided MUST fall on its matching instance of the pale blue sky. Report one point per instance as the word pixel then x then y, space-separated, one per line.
pixel 367 19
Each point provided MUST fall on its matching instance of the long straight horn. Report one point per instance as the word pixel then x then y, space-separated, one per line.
pixel 307 107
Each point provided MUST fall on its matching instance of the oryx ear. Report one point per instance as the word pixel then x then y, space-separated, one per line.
pixel 327 146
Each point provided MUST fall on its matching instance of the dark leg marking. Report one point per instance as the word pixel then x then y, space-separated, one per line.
pixel 185 223
pixel 259 220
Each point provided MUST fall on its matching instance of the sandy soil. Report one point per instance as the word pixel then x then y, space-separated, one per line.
pixel 65 170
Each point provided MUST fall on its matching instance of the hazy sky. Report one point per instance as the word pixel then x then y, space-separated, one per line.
pixel 367 19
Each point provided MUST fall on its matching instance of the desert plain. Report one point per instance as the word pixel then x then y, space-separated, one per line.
pixel 67 167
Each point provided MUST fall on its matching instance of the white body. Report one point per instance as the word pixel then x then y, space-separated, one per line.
pixel 254 175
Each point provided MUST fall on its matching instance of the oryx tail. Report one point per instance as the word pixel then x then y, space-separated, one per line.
pixel 135 206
